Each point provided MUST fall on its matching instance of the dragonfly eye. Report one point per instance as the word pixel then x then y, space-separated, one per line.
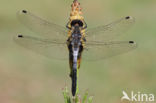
pixel 79 22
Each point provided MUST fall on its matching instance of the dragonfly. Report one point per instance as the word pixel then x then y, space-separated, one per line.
pixel 75 41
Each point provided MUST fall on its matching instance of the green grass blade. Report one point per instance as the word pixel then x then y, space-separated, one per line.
pixel 90 99
pixel 85 97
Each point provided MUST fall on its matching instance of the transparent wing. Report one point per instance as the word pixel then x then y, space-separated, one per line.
pixel 103 50
pixel 46 47
pixel 42 27
pixel 110 31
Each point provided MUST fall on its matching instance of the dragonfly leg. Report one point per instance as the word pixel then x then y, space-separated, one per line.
pixel 67 26
pixel 85 25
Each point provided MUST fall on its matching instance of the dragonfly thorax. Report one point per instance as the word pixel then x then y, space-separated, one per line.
pixel 76 37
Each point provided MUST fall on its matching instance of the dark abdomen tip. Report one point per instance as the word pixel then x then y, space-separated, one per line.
pixel 24 11
pixel 131 42
pixel 20 36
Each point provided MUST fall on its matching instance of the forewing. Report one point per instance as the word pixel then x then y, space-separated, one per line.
pixel 41 27
pixel 110 31
pixel 46 47
pixel 103 50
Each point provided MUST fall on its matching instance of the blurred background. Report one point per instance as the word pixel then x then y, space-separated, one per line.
pixel 26 77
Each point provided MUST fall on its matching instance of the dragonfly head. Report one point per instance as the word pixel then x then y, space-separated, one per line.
pixel 77 22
